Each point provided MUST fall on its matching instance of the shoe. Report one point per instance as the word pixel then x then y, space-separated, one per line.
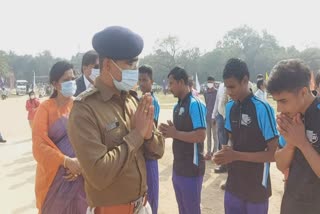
pixel 220 169
pixel 2 140
pixel 223 185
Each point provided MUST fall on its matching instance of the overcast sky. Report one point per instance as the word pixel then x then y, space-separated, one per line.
pixel 66 26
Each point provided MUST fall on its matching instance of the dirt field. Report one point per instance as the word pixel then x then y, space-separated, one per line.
pixel 17 169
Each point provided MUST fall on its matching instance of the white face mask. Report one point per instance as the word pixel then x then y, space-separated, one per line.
pixel 130 78
pixel 94 73
pixel 210 85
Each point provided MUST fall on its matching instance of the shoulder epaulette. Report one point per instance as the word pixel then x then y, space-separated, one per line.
pixel 86 93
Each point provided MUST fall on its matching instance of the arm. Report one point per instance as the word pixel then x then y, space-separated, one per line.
pixel 258 157
pixel 312 156
pixel 284 157
pixel 154 148
pixel 101 164
pixel 28 105
pixel 44 150
pixel 197 136
pixel 37 103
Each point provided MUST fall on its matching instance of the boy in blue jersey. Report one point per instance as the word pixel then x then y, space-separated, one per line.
pixel 299 145
pixel 188 131
pixel 253 138
pixel 145 83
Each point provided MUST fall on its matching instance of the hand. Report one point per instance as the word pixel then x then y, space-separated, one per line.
pixel 224 156
pixel 142 120
pixel 168 130
pixel 70 177
pixel 73 165
pixel 293 130
pixel 213 121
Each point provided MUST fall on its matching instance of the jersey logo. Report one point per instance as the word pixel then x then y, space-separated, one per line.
pixel 181 111
pixel 245 120
pixel 312 137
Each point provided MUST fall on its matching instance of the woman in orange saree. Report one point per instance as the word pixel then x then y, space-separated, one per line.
pixel 59 186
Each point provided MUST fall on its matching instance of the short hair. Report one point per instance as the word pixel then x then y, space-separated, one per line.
pixel 317 80
pixel 146 69
pixel 260 83
pixel 31 93
pixel 289 75
pixel 210 78
pixel 260 76
pixel 178 74
pixel 236 68
pixel 89 58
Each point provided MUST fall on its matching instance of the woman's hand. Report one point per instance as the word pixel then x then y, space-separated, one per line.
pixel 73 165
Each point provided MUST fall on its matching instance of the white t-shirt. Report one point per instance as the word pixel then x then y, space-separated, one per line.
pixel 86 82
pixel 261 94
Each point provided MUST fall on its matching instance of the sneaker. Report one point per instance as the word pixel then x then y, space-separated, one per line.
pixel 2 140
pixel 220 169
pixel 223 185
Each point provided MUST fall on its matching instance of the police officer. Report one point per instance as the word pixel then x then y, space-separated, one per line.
pixel 111 131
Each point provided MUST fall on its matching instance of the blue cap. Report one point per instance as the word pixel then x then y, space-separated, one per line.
pixel 118 43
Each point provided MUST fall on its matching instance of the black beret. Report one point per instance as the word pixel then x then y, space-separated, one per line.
pixel 117 43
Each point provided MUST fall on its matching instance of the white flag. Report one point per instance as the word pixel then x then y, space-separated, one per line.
pixel 197 84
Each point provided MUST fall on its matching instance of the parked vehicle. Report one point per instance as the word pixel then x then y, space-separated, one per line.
pixel 21 87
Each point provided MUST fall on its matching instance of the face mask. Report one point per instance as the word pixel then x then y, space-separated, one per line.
pixel 95 72
pixel 129 79
pixel 68 89
pixel 210 85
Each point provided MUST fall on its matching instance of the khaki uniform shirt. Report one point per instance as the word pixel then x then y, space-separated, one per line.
pixel 110 153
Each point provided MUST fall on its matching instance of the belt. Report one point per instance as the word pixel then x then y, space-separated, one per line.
pixel 132 208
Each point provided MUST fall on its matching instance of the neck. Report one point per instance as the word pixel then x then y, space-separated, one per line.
pixel 244 96
pixel 309 99
pixel 185 92
pixel 61 100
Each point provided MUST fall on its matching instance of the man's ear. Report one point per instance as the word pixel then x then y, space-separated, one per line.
pixel 304 91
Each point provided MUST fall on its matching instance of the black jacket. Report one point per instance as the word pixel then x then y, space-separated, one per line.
pixel 81 86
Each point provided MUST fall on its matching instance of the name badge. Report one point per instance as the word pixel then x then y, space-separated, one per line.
pixel 112 125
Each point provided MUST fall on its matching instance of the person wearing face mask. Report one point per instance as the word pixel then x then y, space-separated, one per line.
pixel 59 186
pixel 90 71
pixel 210 99
pixel 112 131
pixel 31 106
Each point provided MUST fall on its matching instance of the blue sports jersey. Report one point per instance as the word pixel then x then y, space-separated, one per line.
pixel 252 125
pixel 189 114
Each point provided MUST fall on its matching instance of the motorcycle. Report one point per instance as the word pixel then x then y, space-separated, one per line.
pixel 4 93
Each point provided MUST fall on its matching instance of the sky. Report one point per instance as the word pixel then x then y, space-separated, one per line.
pixel 66 27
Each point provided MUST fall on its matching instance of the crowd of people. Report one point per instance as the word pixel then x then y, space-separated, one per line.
pixel 98 153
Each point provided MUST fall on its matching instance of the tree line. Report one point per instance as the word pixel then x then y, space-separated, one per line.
pixel 260 50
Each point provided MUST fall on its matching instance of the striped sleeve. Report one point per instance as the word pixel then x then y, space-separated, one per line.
pixel 156 105
pixel 227 125
pixel 266 119
pixel 198 113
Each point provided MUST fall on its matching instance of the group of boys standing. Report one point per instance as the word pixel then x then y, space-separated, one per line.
pixel 248 133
